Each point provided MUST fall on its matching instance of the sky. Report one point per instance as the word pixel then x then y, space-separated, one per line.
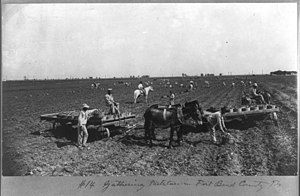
pixel 157 39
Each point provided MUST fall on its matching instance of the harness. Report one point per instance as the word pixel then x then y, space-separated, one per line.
pixel 179 112
pixel 180 115
pixel 165 114
pixel 143 91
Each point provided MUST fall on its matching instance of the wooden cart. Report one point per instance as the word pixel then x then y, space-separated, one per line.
pixel 102 121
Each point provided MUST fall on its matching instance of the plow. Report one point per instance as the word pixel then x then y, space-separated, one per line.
pixel 252 111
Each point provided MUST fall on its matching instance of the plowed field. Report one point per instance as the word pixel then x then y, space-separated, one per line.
pixel 32 147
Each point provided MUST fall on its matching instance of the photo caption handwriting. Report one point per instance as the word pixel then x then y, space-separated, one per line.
pixel 256 185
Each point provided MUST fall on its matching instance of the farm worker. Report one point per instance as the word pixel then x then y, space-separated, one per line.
pixel 254 95
pixel 191 86
pixel 114 106
pixel 141 87
pixel 82 130
pixel 172 98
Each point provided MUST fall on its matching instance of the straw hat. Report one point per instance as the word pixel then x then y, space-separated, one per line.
pixel 85 105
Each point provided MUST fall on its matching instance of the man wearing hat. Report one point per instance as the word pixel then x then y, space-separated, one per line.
pixel 82 130
pixel 114 106
pixel 254 95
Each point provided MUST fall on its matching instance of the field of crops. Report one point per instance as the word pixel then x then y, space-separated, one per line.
pixel 32 147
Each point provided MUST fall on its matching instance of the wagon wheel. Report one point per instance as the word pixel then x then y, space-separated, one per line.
pixel 104 130
pixel 54 126
pixel 108 132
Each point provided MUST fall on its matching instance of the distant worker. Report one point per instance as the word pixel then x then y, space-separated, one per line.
pixel 114 106
pixel 191 86
pixel 254 95
pixel 82 130
pixel 171 99
pixel 141 87
pixel 206 84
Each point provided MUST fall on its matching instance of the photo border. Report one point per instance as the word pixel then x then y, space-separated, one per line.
pixel 24 185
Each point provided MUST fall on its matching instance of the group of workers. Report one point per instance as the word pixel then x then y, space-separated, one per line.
pixel 83 117
pixel 114 109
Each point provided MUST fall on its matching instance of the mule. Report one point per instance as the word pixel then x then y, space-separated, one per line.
pixel 171 117
pixel 137 93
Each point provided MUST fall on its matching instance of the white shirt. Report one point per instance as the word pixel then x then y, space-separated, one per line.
pixel 109 99
pixel 83 117
pixel 172 96
pixel 252 92
pixel 140 86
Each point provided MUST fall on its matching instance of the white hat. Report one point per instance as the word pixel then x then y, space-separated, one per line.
pixel 110 89
pixel 85 105
pixel 255 84
pixel 191 82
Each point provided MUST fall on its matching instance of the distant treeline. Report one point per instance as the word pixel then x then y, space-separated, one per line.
pixel 279 72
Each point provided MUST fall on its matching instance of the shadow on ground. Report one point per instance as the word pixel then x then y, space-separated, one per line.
pixel 67 135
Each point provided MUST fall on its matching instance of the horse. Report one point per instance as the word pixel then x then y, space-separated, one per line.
pixel 171 117
pixel 137 93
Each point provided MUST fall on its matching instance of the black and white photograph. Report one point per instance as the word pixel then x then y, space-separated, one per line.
pixel 168 92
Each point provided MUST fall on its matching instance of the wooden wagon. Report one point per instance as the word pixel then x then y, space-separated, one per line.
pixel 101 120
pixel 252 111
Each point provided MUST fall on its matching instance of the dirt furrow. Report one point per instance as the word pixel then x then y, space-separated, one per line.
pixel 259 147
pixel 210 97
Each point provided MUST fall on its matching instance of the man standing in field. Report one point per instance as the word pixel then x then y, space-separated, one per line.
pixel 172 99
pixel 82 130
pixel 114 106
pixel 254 95
pixel 191 86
